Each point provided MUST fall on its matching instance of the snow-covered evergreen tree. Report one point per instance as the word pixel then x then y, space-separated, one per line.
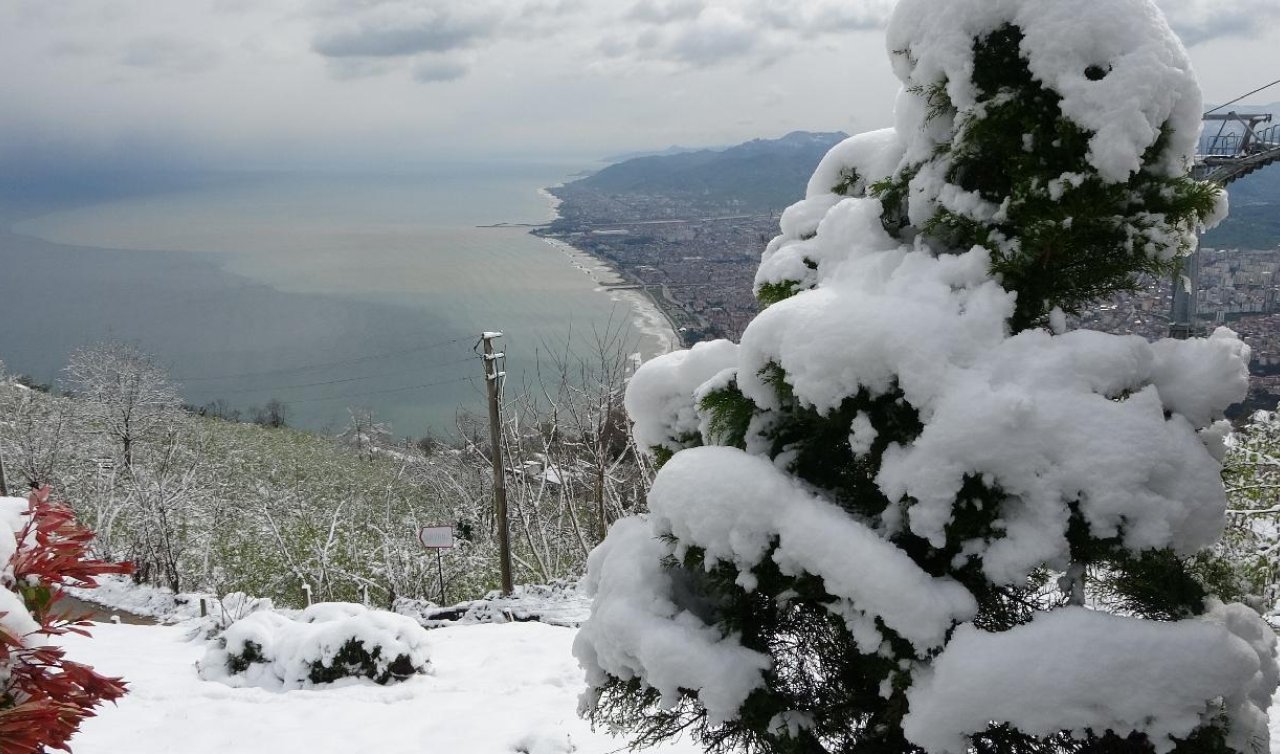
pixel 910 511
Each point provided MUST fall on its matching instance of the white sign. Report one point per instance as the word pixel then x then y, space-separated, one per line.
pixel 436 537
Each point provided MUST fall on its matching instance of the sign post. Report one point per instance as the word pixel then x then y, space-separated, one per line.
pixel 437 538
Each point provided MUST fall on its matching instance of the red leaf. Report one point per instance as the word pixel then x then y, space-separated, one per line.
pixel 55 694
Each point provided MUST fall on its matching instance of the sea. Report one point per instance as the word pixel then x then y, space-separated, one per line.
pixel 325 291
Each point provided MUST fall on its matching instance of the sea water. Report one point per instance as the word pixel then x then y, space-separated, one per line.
pixel 324 291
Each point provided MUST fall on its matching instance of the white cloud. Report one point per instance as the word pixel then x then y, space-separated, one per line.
pixel 317 78
pixel 665 11
pixel 169 54
pixel 535 9
pixel 1198 21
pixel 353 69
pixel 402 29
pixel 668 34
pixel 814 17
pixel 716 35
pixel 435 70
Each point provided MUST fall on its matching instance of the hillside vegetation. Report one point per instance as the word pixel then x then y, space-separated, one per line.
pixel 204 504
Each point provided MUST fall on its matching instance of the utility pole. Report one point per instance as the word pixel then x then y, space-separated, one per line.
pixel 492 385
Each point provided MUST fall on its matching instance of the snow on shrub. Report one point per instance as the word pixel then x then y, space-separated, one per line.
pixel 559 603
pixel 44 696
pixel 915 452
pixel 324 643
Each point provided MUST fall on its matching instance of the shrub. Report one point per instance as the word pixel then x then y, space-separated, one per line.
pixel 909 450
pixel 44 696
pixel 325 643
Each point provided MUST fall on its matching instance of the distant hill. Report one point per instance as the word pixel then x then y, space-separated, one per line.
pixel 765 175
pixel 760 175
pixel 669 151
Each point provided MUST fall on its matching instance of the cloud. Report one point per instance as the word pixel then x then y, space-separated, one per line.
pixel 531 9
pixel 621 34
pixel 169 54
pixel 665 11
pixel 354 69
pixel 817 17
pixel 399 29
pixel 714 36
pixel 235 6
pixel 615 46
pixel 70 48
pixel 436 70
pixel 1198 21
pixel 705 32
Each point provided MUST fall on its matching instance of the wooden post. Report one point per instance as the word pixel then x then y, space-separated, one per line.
pixel 492 385
pixel 440 570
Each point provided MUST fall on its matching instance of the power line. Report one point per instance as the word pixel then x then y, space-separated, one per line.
pixel 341 381
pixel 382 392
pixel 305 367
pixel 1237 99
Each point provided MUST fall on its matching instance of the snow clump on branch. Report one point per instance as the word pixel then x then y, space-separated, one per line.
pixel 913 447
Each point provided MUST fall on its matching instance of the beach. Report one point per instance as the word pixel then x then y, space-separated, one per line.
pixel 658 333
pixel 655 328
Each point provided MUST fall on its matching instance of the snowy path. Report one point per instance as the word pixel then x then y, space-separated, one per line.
pixel 494 688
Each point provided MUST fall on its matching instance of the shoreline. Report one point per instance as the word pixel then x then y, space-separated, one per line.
pixel 648 317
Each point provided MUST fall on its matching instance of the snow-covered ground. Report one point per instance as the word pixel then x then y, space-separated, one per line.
pixel 493 688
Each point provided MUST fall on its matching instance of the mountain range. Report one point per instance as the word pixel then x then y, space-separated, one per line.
pixel 758 176
pixel 767 175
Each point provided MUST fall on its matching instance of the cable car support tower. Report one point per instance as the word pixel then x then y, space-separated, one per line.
pixel 1241 144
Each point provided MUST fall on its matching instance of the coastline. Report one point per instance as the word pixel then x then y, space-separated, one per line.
pixel 648 317
pixel 233 314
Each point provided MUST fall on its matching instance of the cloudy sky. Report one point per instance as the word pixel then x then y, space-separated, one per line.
pixel 386 82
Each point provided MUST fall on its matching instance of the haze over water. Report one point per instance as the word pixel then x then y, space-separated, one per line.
pixel 243 285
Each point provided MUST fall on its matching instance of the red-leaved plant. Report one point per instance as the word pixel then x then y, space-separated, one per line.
pixel 43 695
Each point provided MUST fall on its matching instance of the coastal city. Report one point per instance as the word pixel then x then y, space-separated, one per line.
pixel 697 260
pixel 699 272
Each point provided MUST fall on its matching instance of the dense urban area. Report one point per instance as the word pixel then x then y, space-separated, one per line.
pixel 695 254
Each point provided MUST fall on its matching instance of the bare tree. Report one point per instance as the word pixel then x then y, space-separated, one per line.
pixel 35 431
pixel 584 393
pixel 274 414
pixel 364 435
pixel 4 482
pixel 166 495
pixel 130 396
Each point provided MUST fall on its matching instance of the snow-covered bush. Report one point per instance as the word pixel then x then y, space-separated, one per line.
pixel 560 603
pixel 928 495
pixel 1252 539
pixel 208 505
pixel 44 696
pixel 324 643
